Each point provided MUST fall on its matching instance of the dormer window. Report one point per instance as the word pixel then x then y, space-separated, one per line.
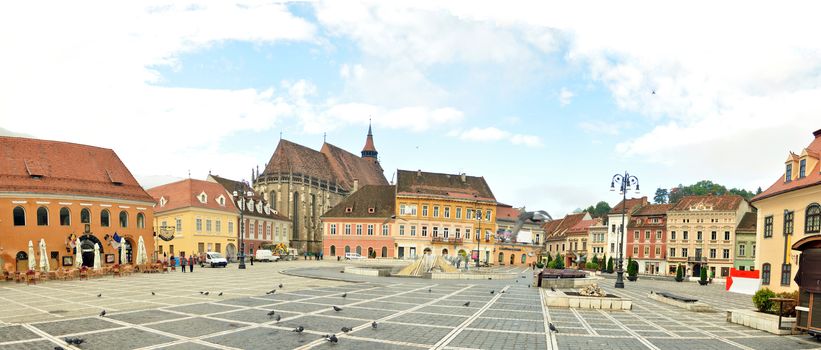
pixel 788 173
pixel 802 168
pixel 348 209
pixel 163 201
pixel 203 198
pixel 371 210
pixel 221 200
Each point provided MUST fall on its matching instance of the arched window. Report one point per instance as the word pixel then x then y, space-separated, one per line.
pixel 65 217
pixel 524 258
pixel 19 215
pixel 123 219
pixel 105 218
pixel 501 257
pixel 347 249
pixel 333 251
pixel 85 216
pixel 765 274
pixel 384 252
pixel 42 216
pixel 813 219
pixel 141 221
pixel 359 250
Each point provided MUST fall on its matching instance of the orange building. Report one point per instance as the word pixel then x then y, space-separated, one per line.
pixel 58 191
pixel 361 223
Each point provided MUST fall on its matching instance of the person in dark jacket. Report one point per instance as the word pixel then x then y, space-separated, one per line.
pixel 191 262
pixel 183 263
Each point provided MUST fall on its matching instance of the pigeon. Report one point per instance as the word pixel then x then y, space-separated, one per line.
pixel 271 291
pixel 102 313
pixel 206 293
pixel 201 292
pixel 280 285
pixel 374 325
pixel 552 327
pixel 58 348
pixel 99 295
pixel 466 304
pixel 552 289
pixel 346 329
pixel 220 294
pixel 493 291
pixel 503 292
pixel 523 276
pixel 271 313
pixel 337 308
pixel 152 293
pixel 298 329
pixel 430 290
pixel 489 278
pixel 78 341
pixel 517 281
pixel 68 340
pixel 333 339
pixel 345 295
pixel 279 317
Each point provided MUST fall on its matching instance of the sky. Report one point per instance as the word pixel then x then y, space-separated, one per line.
pixel 547 101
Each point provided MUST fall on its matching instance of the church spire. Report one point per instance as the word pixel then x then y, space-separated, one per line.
pixel 369 151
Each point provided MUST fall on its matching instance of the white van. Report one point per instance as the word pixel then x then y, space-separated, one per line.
pixel 215 259
pixel 265 255
pixel 353 256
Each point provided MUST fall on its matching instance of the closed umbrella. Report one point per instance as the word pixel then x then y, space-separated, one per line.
pixel 45 266
pixel 122 252
pixel 32 259
pixel 97 262
pixel 142 256
pixel 78 254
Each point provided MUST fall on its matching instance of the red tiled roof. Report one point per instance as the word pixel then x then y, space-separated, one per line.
pixel 232 185
pixel 380 198
pixel 184 194
pixel 447 185
pixel 54 167
pixel 653 209
pixel 812 178
pixel 632 203
pixel 506 212
pixel 726 202
pixel 581 227
pixel 558 231
pixel 349 167
pixel 369 142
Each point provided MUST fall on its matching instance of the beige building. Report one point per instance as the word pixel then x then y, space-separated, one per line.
pixel 701 233
pixel 558 235
pixel 597 238
pixel 788 211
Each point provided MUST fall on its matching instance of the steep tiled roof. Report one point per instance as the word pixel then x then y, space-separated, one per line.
pixel 506 212
pixel 748 223
pixel 232 185
pixel 559 230
pixel 632 204
pixel 331 164
pixel 380 198
pixel 54 167
pixel 581 227
pixel 369 142
pixel 812 178
pixel 184 193
pixel 445 185
pixel 653 209
pixel 727 202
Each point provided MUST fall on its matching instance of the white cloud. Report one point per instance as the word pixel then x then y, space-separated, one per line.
pixel 356 71
pixel 495 134
pixel 565 96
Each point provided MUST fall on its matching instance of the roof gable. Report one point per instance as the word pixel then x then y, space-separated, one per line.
pixel 445 185
pixel 812 176
pixel 186 193
pixel 370 201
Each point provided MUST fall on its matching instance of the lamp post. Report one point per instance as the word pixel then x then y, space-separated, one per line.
pixel 478 234
pixel 624 181
pixel 240 195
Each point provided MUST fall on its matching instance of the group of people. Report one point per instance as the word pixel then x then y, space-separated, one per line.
pixel 190 261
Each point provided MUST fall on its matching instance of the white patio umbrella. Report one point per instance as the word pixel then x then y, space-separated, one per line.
pixel 97 262
pixel 78 254
pixel 32 258
pixel 142 256
pixel 122 251
pixel 45 266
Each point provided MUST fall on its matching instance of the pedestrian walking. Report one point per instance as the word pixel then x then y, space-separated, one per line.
pixel 191 262
pixel 183 262
pixel 252 260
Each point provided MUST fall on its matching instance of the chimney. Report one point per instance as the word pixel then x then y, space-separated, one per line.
pixel 464 178
pixel 419 173
pixel 355 185
pixel 817 133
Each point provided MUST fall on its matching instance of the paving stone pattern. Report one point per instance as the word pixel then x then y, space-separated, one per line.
pixel 408 316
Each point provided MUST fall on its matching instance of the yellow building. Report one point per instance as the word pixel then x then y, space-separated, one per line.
pixel 444 214
pixel 201 216
pixel 788 211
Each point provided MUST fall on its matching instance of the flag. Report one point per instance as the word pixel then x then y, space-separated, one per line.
pixel 115 241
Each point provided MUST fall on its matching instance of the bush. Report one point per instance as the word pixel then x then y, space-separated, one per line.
pixel 632 268
pixel 762 301
pixel 559 262
pixel 789 308
pixel 703 274
pixel 591 266
pixel 679 274
pixel 549 258
pixel 610 265
pixel 539 265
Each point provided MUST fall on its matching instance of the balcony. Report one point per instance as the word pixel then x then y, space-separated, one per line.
pixel 697 259
pixel 440 240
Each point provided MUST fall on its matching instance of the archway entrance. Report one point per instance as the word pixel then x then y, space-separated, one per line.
pixel 384 252
pixel 371 252
pixel 333 250
pixel 87 250
pixel 501 257
pixel 444 252
pixel 426 251
pixel 512 258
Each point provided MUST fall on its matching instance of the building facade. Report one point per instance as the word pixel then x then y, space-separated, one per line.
pixel 597 236
pixel 577 242
pixel 452 214
pixel 58 192
pixel 557 239
pixel 789 210
pixel 200 216
pixel 701 233
pixel 362 223
pixel 617 222
pixel 303 184
pixel 522 247
pixel 647 237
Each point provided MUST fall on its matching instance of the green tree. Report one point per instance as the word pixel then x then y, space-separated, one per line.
pixel 661 196
pixel 595 260
pixel 603 263
pixel 599 210
pixel 704 187
pixel 679 274
pixel 610 265
pixel 703 274
pixel 559 262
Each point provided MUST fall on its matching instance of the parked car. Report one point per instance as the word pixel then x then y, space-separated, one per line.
pixel 353 256
pixel 265 255
pixel 215 259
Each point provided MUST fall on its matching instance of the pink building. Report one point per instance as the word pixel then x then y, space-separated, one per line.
pixel 647 238
pixel 361 223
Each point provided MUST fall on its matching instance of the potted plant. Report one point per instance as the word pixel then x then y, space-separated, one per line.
pixel 679 274
pixel 703 277
pixel 632 269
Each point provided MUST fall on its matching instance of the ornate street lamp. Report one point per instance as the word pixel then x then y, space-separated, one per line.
pixel 240 196
pixel 625 182
pixel 478 235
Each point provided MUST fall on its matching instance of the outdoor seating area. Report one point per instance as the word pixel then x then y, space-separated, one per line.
pixel 61 274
